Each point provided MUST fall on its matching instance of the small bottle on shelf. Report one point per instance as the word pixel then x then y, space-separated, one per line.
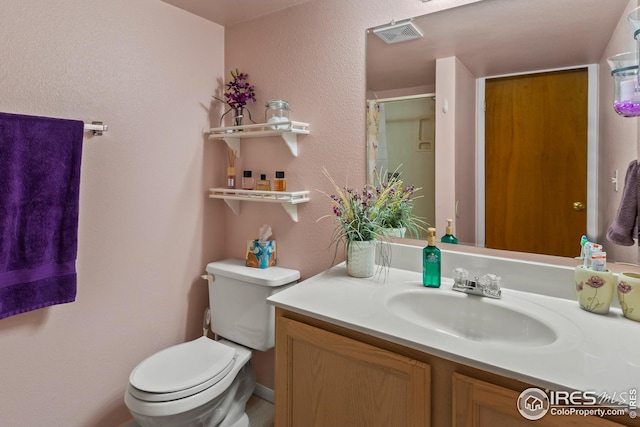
pixel 263 184
pixel 448 236
pixel 231 177
pixel 431 261
pixel 280 183
pixel 248 183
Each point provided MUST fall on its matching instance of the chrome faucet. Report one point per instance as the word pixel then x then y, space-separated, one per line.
pixel 485 286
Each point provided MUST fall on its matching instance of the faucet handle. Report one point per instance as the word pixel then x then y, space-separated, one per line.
pixel 460 276
pixel 490 284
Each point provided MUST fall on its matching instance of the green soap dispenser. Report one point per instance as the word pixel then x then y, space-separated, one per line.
pixel 449 237
pixel 431 261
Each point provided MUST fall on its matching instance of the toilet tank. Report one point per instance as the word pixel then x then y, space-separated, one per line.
pixel 237 299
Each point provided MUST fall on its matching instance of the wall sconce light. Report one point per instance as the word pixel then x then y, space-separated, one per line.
pixel 624 69
pixel 626 91
pixel 634 21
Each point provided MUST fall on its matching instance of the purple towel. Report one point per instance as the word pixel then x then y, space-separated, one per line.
pixel 624 228
pixel 39 188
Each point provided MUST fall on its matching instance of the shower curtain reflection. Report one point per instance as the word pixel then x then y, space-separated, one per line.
pixel 376 139
pixel 401 131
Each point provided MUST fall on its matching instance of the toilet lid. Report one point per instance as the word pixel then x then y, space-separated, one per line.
pixel 183 366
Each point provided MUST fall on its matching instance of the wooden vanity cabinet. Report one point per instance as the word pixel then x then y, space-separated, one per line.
pixel 330 376
pixel 478 403
pixel 326 379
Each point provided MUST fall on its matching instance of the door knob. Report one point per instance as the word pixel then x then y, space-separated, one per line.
pixel 579 206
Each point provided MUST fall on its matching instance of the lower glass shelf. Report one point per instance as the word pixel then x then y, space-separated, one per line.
pixel 287 199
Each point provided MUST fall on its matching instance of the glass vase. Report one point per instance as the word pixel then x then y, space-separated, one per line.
pixel 238 114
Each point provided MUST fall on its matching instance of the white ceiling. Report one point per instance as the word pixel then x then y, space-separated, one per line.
pixel 495 37
pixel 229 12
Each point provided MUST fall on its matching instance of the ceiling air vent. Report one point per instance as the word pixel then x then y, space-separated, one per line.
pixel 397 32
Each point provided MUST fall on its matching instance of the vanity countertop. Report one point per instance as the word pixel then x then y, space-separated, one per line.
pixel 593 352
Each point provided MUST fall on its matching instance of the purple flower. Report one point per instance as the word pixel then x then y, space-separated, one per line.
pixel 579 286
pixel 595 282
pixel 238 91
pixel 624 287
pixel 337 211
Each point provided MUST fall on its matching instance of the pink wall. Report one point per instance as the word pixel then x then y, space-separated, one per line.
pixel 148 70
pixel 446 128
pixel 456 144
pixel 466 174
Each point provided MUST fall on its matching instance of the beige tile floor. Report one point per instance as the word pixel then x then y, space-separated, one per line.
pixel 260 412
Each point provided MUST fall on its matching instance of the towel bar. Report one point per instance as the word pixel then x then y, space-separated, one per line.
pixel 96 127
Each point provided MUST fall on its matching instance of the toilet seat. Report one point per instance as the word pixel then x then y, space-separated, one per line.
pixel 182 370
pixel 144 407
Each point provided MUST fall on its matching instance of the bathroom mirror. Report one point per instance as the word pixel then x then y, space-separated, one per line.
pixel 494 38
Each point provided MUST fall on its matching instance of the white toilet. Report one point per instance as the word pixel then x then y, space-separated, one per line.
pixel 203 382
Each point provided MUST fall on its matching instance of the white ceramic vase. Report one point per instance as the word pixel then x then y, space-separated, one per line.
pixel 361 258
pixel 395 232
pixel 594 289
pixel 629 295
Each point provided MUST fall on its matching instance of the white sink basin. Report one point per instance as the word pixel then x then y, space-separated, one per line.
pixel 472 318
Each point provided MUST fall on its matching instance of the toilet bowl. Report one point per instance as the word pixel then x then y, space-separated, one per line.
pixel 204 382
pixel 192 384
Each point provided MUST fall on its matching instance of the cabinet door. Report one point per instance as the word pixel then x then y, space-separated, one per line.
pixel 327 380
pixel 478 403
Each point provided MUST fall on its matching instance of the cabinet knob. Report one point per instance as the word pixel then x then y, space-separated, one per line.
pixel 579 206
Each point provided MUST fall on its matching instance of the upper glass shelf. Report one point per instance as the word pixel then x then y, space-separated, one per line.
pixel 289 132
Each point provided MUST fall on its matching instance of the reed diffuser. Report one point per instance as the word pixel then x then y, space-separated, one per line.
pixel 231 169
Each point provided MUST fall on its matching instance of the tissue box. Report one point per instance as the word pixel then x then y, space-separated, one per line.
pixel 261 254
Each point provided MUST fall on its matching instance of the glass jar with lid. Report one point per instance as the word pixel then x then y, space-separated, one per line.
pixel 277 112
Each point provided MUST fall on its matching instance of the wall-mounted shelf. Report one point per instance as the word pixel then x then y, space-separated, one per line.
pixel 288 200
pixel 289 132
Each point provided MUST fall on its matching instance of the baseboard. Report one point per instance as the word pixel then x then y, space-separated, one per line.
pixel 264 392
